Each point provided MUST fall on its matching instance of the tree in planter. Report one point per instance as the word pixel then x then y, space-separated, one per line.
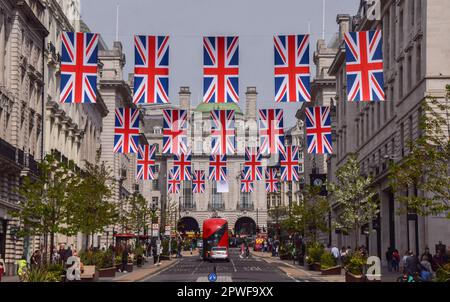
pixel 139 213
pixel 353 193
pixel 45 205
pixel 91 211
pixel 425 168
pixel 309 216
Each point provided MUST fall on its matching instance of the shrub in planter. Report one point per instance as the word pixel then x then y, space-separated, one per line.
pixel 443 273
pixel 315 252
pixel 39 274
pixel 355 266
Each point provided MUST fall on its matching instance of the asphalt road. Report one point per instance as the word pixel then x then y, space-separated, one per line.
pixel 194 269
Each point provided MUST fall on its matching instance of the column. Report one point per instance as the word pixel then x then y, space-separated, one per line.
pixel 2 49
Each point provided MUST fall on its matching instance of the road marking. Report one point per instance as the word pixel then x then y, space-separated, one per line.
pixel 195 269
pixel 161 271
pixel 235 270
pixel 289 275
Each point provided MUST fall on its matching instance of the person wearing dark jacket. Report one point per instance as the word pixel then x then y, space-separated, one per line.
pixel 389 253
pixel 125 253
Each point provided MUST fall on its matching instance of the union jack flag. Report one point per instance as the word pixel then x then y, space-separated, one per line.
pixel 198 182
pixel 271 132
pixel 151 69
pixel 290 170
pixel 126 133
pixel 175 131
pixel 318 130
pixel 246 182
pixel 222 132
pixel 271 180
pixel 220 69
pixel 79 59
pixel 364 59
pixel 182 162
pixel 292 73
pixel 146 162
pixel 218 167
pixel 174 182
pixel 253 161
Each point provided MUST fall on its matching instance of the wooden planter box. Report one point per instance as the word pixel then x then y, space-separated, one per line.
pixel 315 267
pixel 107 272
pixel 285 257
pixel 332 271
pixel 129 267
pixel 349 277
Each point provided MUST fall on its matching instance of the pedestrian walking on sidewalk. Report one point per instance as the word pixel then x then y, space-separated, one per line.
pixel 125 259
pixel 2 271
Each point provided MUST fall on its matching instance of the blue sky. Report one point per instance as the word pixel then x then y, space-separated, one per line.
pixel 187 21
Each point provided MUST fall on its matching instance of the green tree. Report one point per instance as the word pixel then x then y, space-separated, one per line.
pixel 91 211
pixel 309 216
pixel 140 213
pixel 353 193
pixel 45 202
pixel 426 167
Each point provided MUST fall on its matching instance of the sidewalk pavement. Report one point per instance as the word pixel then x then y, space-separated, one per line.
pixel 298 271
pixel 148 269
pixel 10 279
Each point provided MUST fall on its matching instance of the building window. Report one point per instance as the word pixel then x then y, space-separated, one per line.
pixel 400 82
pixel 157 130
pixel 402 139
pixel 155 185
pixel 155 201
pixel 357 134
pixel 216 200
pixel 411 7
pixel 418 62
pixel 378 115
pixel 156 167
pixel 410 73
pixel 246 203
pixel 187 195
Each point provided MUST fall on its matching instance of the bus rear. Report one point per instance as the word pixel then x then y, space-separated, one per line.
pixel 215 239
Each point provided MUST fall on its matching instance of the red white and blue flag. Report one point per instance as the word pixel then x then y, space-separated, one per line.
pixel 198 181
pixel 246 182
pixel 253 161
pixel 289 162
pixel 292 72
pixel 175 131
pixel 364 65
pixel 151 70
pixel 271 132
pixel 271 180
pixel 126 132
pixel 218 167
pixel 146 162
pixel 174 182
pixel 318 130
pixel 222 132
pixel 220 69
pixel 79 60
pixel 182 163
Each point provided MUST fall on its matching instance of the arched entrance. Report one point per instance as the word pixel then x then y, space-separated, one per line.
pixel 188 224
pixel 245 226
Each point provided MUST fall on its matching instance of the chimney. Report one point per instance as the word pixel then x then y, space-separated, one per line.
pixel 185 98
pixel 251 103
pixel 343 20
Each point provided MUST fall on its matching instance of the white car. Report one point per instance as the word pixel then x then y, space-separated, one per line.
pixel 219 253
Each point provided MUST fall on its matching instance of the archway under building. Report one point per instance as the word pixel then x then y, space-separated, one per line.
pixel 245 226
pixel 188 225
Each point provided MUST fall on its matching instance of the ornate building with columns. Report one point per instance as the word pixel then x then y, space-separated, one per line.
pixel 244 211
pixel 416 65
pixel 22 61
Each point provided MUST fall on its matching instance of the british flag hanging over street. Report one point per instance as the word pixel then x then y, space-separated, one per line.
pixel 146 162
pixel 222 132
pixel 198 182
pixel 79 60
pixel 246 182
pixel 271 132
pixel 182 163
pixel 364 65
pixel 253 161
pixel 318 130
pixel 292 72
pixel 271 180
pixel 175 131
pixel 220 69
pixel 289 162
pixel 174 182
pixel 151 70
pixel 126 132
pixel 218 167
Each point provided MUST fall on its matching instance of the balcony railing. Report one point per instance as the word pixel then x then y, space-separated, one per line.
pixel 245 207
pixel 188 206
pixel 216 206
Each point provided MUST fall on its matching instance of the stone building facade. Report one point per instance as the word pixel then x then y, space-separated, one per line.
pixel 22 45
pixel 416 65
pixel 244 211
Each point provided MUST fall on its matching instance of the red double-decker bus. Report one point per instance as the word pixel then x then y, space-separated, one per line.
pixel 215 239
